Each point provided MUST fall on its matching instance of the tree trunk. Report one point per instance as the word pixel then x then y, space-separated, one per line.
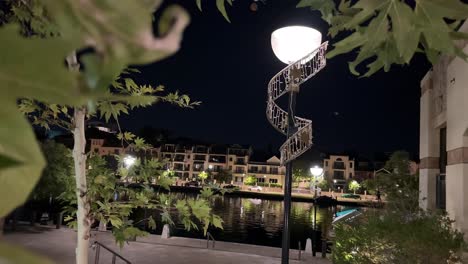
pixel 79 158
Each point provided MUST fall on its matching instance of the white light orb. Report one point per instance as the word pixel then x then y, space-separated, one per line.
pixel 316 171
pixel 293 43
pixel 129 161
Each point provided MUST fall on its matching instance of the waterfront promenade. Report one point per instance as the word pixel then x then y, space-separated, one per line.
pixel 59 246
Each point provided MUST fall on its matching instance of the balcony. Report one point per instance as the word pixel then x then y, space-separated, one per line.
pixel 179 158
pixel 338 165
pixel 179 168
pixel 217 159
pixel 199 157
pixel 240 162
pixel 200 150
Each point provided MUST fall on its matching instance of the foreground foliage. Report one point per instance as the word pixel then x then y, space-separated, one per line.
pixel 390 32
pixel 401 232
pixel 396 237
pixel 115 195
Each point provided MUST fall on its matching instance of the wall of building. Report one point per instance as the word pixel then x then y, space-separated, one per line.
pixel 187 163
pixel 338 170
pixel 444 138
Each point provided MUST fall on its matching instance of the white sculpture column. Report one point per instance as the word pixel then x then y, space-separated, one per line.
pixel 457 143
pixel 428 147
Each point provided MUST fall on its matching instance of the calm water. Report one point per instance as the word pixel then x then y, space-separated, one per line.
pixel 259 221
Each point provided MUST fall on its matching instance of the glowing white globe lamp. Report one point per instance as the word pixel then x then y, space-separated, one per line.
pixel 293 43
pixel 316 171
pixel 129 161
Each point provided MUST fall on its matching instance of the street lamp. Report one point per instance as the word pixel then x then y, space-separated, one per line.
pixel 316 171
pixel 299 47
pixel 129 161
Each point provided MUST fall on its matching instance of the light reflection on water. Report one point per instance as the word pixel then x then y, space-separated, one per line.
pixel 259 221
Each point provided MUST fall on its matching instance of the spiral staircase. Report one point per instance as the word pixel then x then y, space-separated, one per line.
pixel 285 81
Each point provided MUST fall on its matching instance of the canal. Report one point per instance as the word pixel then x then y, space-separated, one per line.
pixel 259 221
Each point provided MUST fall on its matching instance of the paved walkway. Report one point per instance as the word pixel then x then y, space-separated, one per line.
pixel 59 245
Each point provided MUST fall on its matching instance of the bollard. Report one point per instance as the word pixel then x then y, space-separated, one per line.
pixel 300 250
pixel 308 247
pixel 166 232
pixel 58 224
pixel 324 248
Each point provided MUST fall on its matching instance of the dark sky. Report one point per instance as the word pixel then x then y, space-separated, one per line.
pixel 227 66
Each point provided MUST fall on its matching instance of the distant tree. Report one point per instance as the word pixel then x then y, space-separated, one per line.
pixel 58 173
pixel 323 184
pixel 203 176
pixel 250 180
pixel 370 186
pixel 354 186
pixel 299 175
pixel 400 188
pixel 154 136
pixel 223 176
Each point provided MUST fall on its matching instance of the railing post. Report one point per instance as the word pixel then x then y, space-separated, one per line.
pixel 324 248
pixel 96 258
pixel 113 259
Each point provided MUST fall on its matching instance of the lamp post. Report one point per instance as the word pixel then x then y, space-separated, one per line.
pixel 316 171
pixel 210 171
pixel 300 48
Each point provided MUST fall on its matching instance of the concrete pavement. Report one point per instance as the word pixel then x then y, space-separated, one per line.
pixel 59 246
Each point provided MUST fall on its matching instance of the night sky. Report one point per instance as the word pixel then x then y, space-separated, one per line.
pixel 227 66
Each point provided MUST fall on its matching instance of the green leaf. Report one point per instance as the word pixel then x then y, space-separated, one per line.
pixel 166 218
pixel 200 208
pixel 18 144
pixel 326 7
pixel 151 223
pixel 436 32
pixel 348 44
pixel 404 30
pixel 199 4
pixel 24 80
pixel 453 9
pixel 206 193
pixel 13 254
pixel 222 9
pixel 7 162
pixel 115 221
pixel 217 221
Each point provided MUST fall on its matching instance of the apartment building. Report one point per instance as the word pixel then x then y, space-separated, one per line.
pixel 189 160
pixel 267 172
pixel 443 169
pixel 338 169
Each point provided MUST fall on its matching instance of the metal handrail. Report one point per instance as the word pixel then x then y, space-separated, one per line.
pixel 208 238
pixel 115 255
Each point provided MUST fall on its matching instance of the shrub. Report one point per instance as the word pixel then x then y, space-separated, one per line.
pixel 397 238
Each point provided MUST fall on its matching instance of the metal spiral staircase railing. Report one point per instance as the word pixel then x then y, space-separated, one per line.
pixel 286 81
